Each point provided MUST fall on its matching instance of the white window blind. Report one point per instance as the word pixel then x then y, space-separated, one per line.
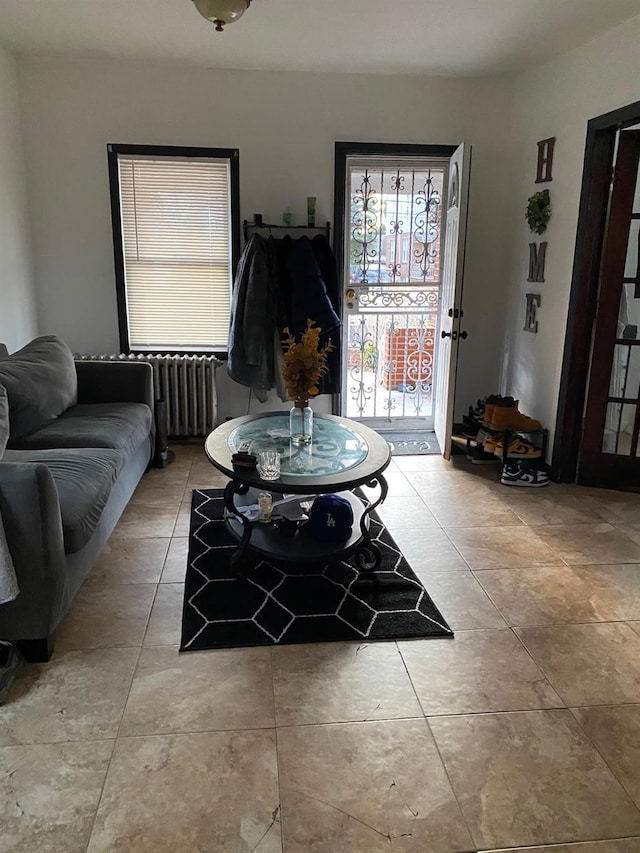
pixel 177 247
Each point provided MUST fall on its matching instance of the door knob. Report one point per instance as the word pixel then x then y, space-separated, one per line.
pixel 452 335
pixel 464 335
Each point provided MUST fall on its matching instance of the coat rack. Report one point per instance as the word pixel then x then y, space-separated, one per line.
pixel 266 229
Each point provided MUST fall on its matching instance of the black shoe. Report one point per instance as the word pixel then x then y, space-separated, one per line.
pixel 477 456
pixel 470 426
pixel 521 475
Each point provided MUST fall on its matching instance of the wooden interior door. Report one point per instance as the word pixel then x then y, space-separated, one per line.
pixel 609 450
pixel 450 307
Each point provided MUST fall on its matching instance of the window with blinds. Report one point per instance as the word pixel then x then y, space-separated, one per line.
pixel 176 247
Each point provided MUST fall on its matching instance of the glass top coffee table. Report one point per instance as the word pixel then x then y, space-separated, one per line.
pixel 342 456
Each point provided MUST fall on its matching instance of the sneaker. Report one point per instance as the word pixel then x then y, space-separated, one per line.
pixel 478 456
pixel 509 418
pixel 495 401
pixel 483 435
pixel 517 475
pixel 518 447
pixel 470 426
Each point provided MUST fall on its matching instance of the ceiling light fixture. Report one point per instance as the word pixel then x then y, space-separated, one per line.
pixel 221 12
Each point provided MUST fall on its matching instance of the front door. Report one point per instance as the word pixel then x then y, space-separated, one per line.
pixel 450 314
pixel 610 446
pixel 392 275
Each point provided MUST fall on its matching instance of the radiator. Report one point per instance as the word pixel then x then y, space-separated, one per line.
pixel 188 385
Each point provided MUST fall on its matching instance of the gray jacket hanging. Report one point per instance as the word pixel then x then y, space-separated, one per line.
pixel 253 325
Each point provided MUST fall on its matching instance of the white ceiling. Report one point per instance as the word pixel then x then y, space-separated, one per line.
pixel 460 37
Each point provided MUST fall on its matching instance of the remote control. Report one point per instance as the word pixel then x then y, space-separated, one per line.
pixel 244 447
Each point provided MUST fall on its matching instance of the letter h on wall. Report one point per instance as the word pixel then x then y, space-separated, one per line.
pixel 545 160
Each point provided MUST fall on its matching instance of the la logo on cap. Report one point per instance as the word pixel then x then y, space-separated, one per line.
pixel 330 518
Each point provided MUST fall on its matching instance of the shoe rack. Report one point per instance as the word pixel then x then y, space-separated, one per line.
pixel 539 438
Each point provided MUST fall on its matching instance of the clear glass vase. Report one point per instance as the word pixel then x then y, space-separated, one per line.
pixel 301 422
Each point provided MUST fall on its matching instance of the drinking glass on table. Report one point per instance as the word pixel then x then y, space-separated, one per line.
pixel 269 464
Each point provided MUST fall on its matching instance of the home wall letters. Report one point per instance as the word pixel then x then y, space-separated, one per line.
pixel 537 257
pixel 545 160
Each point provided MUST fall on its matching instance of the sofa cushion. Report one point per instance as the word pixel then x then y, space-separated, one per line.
pixel 84 478
pixel 4 419
pixel 41 383
pixel 122 426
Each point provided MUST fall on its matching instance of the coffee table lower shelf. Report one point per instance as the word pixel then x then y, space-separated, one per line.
pixel 267 541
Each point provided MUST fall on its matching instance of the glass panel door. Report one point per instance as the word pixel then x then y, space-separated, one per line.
pixel 610 447
pixel 392 267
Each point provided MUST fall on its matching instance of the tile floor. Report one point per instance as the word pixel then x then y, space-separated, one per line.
pixel 523 732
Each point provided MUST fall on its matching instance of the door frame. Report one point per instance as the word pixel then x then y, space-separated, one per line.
pixel 343 150
pixel 592 218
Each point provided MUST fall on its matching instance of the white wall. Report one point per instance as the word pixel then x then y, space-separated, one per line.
pixel 17 301
pixel 285 125
pixel 557 99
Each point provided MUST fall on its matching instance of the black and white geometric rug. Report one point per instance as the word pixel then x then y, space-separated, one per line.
pixel 281 603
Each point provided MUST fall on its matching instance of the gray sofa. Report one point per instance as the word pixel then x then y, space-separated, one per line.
pixel 66 476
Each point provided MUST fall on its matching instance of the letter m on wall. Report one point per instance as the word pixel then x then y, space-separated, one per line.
pixel 537 257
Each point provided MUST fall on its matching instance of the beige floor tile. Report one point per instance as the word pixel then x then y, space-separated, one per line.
pixel 428 550
pixel 477 671
pixel 635 626
pixel 49 795
pixel 590 544
pixel 615 732
pixel 371 787
pixel 488 511
pixel 124 561
pixel 76 696
pixel 595 664
pixel 143 521
pixel 214 791
pixel 398 484
pixel 200 691
pixel 620 845
pixel 615 507
pixel 461 600
pixel 105 617
pixel 164 492
pixel 630 530
pixel 558 506
pixel 406 511
pixel 531 778
pixel 205 475
pixel 445 489
pixel 409 464
pixel 175 565
pixel 502 547
pixel 336 682
pixel 165 622
pixel 183 521
pixel 564 594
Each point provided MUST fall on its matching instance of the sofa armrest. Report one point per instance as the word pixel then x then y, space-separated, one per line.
pixel 33 526
pixel 115 382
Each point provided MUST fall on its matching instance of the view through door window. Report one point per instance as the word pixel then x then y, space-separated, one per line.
pixel 622 427
pixel 392 283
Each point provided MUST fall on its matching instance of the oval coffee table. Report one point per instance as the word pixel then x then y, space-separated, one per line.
pixel 342 456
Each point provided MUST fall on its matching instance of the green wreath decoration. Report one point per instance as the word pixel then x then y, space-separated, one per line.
pixel 538 211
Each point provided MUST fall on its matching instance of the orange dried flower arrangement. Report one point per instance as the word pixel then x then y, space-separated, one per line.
pixel 304 362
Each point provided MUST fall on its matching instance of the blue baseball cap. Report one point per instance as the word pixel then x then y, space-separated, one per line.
pixel 330 518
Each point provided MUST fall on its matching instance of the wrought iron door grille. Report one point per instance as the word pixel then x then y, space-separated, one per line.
pixel 393 252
